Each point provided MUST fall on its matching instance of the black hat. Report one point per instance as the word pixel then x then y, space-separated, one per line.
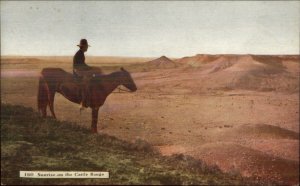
pixel 83 42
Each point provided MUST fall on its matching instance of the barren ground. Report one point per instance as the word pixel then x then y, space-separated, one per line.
pixel 227 112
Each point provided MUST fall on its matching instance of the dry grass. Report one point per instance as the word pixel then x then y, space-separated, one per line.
pixel 29 142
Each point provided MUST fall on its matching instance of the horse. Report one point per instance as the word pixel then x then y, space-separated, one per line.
pixel 100 86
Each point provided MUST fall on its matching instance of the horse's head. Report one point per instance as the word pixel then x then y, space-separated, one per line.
pixel 127 81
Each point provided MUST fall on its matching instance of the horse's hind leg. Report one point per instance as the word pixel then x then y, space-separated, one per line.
pixel 51 103
pixel 44 111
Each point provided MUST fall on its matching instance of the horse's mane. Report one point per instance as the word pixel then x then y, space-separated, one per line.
pixel 101 77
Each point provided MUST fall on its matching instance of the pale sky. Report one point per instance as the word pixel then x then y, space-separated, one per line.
pixel 150 28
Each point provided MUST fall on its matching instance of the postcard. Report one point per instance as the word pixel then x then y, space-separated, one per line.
pixel 150 92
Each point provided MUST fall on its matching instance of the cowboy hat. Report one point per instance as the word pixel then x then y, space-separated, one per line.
pixel 83 42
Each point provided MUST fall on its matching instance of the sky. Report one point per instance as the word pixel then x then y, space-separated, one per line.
pixel 150 28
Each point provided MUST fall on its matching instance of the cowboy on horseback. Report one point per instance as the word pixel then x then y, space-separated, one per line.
pixel 79 67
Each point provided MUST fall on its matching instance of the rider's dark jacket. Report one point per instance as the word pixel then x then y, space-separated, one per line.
pixel 79 62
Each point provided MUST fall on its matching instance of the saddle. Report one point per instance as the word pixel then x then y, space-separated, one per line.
pixel 83 87
pixel 83 78
pixel 77 78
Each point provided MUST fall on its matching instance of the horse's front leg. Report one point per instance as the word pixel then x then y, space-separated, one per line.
pixel 94 119
pixel 51 103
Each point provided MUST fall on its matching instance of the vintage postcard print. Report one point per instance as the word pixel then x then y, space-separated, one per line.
pixel 150 92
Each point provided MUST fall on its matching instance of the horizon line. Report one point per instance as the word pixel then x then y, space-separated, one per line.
pixel 13 55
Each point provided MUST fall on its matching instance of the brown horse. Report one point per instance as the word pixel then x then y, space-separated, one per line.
pixel 54 80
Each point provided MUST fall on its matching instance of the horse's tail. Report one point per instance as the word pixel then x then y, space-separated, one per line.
pixel 42 97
